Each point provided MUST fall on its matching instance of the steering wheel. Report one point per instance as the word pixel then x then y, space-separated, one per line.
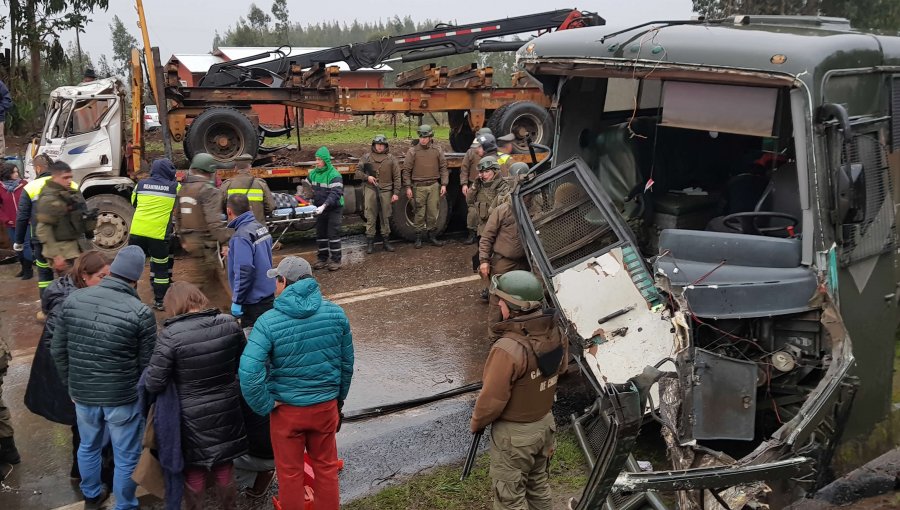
pixel 745 222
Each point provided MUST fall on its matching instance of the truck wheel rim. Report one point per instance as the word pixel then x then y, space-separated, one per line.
pixel 524 125
pixel 224 142
pixel 111 231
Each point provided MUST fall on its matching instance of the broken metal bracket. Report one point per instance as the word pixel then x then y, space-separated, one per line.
pixel 715 477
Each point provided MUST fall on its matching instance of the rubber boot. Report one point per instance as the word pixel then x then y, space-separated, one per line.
pixel 227 496
pixel 370 245
pixel 432 238
pixel 387 245
pixel 472 237
pixel 192 500
pixel 418 240
pixel 27 270
pixel 9 454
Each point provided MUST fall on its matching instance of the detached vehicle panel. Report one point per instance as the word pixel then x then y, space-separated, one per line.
pixel 718 225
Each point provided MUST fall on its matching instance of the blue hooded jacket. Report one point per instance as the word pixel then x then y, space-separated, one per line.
pixel 249 257
pixel 5 101
pixel 299 353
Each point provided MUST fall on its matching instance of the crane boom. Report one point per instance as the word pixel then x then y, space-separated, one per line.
pixel 443 40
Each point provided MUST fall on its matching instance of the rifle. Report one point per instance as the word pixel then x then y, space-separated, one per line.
pixel 369 170
pixel 473 452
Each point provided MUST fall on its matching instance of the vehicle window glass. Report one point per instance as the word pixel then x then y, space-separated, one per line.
pixel 878 233
pixel 895 111
pixel 862 94
pixel 568 224
pixel 59 126
pixel 88 114
pixel 150 109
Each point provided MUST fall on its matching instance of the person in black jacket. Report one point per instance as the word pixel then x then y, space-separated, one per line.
pixel 199 349
pixel 46 395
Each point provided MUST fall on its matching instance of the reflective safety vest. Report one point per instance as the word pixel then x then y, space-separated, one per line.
pixel 153 201
pixel 33 191
pixel 252 188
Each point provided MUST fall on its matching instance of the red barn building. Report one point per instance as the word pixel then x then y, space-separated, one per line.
pixel 192 67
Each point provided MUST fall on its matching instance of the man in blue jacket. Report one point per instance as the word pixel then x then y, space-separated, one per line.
pixel 5 106
pixel 297 365
pixel 249 257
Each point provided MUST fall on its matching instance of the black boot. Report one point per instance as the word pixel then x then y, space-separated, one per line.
pixel 22 264
pixel 8 452
pixel 370 245
pixel 418 240
pixel 27 272
pixel 387 244
pixel 432 238
pixel 472 237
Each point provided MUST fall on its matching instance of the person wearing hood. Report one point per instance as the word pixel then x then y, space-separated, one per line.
pixel 328 196
pixel 10 195
pixel 296 368
pixel 249 258
pixel 151 227
pixel 519 387
pixel 6 103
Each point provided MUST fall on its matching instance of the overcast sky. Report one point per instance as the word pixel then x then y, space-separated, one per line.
pixel 183 26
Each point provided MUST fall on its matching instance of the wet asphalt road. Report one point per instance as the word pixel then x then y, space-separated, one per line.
pixel 418 329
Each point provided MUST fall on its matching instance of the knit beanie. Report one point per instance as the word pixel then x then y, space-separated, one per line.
pixel 129 263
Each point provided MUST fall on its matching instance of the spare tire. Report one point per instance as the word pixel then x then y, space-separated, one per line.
pixel 403 214
pixel 523 118
pixel 224 133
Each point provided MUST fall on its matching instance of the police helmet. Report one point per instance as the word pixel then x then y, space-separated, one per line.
pixel 489 163
pixel 379 139
pixel 484 131
pixel 204 162
pixel 488 142
pixel 425 131
pixel 519 169
pixel 521 290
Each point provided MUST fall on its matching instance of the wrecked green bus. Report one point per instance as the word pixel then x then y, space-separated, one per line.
pixel 717 225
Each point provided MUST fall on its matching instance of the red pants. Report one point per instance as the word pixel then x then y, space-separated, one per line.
pixel 312 428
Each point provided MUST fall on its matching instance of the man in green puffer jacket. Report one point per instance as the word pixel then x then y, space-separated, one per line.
pixel 297 365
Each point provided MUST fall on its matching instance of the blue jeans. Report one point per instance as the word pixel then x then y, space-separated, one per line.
pixel 126 426
pixel 27 245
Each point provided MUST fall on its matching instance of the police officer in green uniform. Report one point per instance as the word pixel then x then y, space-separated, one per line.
pixel 381 171
pixel 26 218
pixel 425 171
pixel 64 222
pixel 519 386
pixel 151 227
pixel 504 150
pixel 468 174
pixel 262 203
pixel 201 227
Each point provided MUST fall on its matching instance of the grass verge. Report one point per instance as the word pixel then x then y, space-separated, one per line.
pixel 441 487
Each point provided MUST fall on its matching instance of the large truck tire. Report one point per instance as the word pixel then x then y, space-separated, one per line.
pixel 113 222
pixel 403 214
pixel 353 199
pixel 224 133
pixel 522 118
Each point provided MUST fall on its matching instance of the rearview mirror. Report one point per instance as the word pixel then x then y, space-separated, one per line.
pixel 851 193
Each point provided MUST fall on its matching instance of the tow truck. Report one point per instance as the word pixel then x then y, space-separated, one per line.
pixel 85 124
pixel 718 227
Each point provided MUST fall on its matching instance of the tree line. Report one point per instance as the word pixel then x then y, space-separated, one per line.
pixel 866 15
